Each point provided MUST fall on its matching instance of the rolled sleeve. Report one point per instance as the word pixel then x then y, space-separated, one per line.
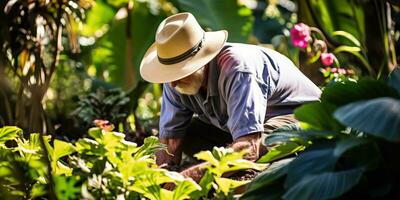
pixel 175 117
pixel 246 104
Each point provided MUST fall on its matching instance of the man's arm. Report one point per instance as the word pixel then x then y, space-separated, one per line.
pixel 249 143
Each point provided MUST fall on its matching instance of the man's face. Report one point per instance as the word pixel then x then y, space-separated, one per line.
pixel 190 85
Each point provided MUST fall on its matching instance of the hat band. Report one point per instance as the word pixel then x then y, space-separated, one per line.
pixel 191 52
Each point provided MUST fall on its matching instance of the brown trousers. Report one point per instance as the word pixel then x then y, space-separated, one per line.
pixel 201 136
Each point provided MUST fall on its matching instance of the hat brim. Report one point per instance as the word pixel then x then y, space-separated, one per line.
pixel 153 71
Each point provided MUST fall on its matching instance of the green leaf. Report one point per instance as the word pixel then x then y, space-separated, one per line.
pixel 235 18
pixel 348 36
pixel 9 133
pixel 96 133
pixel 378 117
pixel 184 189
pixel 299 136
pixel 311 162
pixel 343 93
pixel 327 185
pixel 394 79
pixel 90 147
pixel 61 149
pixel 207 156
pixel 315 58
pixel 348 49
pixel 319 116
pixel 225 185
pixel 268 184
pixel 281 151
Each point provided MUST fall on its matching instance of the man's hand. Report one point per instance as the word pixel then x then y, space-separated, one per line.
pixel 250 143
pixel 174 154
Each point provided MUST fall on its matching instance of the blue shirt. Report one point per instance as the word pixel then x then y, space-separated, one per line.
pixel 246 86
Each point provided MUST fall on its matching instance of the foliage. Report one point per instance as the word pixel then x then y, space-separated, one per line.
pixel 104 104
pixel 106 166
pixel 32 39
pixel 219 162
pixel 350 140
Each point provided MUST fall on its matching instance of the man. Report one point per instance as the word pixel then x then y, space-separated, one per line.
pixel 236 92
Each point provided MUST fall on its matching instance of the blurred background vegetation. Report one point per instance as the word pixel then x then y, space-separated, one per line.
pixel 65 63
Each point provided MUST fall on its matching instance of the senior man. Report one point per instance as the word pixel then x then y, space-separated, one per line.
pixel 217 93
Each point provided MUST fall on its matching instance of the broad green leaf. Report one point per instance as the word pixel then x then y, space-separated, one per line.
pixel 225 185
pixel 61 149
pixel 310 162
pixel 319 116
pixel 9 133
pixel 302 137
pixel 274 172
pixel 60 169
pixel 90 147
pixel 236 19
pixel 208 157
pixel 281 151
pixel 394 79
pixel 184 189
pixel 96 133
pixel 348 36
pixel 343 93
pixel 378 117
pixel 346 144
pixel 326 185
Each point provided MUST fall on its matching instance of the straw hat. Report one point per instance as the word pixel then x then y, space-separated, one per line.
pixel 181 47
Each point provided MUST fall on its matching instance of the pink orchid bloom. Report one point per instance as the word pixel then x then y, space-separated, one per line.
pixel 300 35
pixel 327 58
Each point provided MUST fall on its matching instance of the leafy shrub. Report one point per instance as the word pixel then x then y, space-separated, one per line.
pixel 351 141
pixel 104 166
pixel 108 104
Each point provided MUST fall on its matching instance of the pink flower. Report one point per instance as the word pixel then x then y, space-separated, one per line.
pixel 327 58
pixel 300 35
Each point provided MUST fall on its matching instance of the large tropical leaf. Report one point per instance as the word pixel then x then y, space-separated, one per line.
pixel 379 117
pixel 343 93
pixel 318 116
pixel 268 184
pixel 221 15
pixel 281 151
pixel 327 185
pixel 394 79
pixel 320 159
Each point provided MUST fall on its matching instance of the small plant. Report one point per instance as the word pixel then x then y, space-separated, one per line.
pixel 221 161
pixel 111 105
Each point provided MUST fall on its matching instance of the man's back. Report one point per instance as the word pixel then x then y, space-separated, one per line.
pixel 283 85
pixel 246 86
